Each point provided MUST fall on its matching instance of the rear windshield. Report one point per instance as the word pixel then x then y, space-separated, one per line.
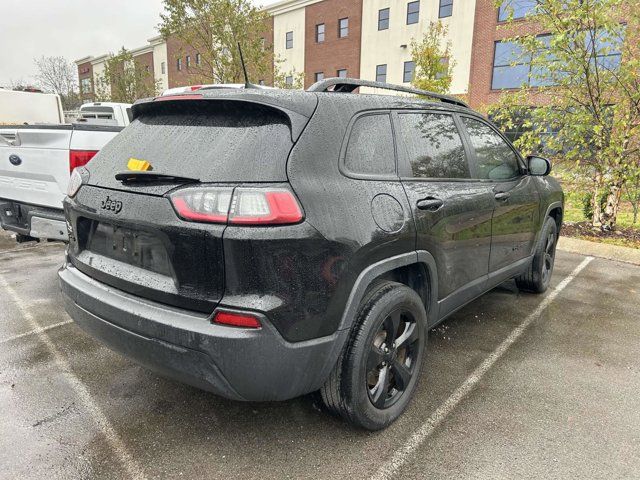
pixel 104 113
pixel 213 141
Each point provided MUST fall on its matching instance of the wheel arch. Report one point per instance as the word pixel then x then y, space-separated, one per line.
pixel 556 211
pixel 415 269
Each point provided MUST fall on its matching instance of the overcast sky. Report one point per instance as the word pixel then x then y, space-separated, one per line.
pixel 73 29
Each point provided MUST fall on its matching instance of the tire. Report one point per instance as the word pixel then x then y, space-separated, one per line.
pixel 368 387
pixel 538 276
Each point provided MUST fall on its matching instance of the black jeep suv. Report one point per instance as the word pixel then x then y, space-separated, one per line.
pixel 265 244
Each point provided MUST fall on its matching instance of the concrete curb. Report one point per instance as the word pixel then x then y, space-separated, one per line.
pixel 602 250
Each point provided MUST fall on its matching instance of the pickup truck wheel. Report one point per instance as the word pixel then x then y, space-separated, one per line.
pixel 376 375
pixel 538 276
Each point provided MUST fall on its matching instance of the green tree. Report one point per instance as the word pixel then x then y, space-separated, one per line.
pixel 585 108
pixel 280 77
pixel 125 80
pixel 213 28
pixel 432 58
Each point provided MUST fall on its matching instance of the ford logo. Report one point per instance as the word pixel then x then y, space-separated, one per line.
pixel 15 160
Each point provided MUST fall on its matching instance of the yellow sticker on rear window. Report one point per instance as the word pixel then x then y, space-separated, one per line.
pixel 138 165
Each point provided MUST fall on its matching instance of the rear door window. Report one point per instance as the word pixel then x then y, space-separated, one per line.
pixel 371 149
pixel 432 145
pixel 212 141
pixel 495 159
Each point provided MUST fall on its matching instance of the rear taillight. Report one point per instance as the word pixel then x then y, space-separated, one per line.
pixel 209 205
pixel 79 158
pixel 236 319
pixel 242 206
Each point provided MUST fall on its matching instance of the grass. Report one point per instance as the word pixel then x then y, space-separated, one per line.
pixel 573 213
pixel 626 235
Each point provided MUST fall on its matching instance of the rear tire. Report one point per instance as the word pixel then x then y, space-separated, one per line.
pixel 377 373
pixel 538 276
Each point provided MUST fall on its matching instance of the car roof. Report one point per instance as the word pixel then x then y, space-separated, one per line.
pixel 301 105
pixel 304 102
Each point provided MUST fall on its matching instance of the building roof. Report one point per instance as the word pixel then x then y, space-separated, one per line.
pixel 285 6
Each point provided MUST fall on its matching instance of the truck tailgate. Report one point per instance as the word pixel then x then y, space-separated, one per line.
pixel 34 164
pixel 34 161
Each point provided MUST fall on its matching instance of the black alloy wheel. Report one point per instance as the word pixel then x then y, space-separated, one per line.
pixel 391 359
pixel 377 374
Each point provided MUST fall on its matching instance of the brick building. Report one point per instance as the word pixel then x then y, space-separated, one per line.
pixel 368 39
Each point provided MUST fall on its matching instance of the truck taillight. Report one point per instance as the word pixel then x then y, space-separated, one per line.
pixel 79 158
pixel 240 206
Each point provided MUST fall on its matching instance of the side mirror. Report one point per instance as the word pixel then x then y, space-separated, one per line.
pixel 539 166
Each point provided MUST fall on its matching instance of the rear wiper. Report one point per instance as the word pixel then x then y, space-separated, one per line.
pixel 140 177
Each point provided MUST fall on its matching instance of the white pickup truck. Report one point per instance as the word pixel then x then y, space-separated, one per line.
pixel 36 162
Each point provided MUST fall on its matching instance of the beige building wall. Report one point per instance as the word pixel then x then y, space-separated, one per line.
pixel 393 46
pixel 290 18
pixel 159 58
pixel 98 65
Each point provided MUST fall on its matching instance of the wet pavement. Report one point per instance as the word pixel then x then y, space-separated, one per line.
pixel 516 386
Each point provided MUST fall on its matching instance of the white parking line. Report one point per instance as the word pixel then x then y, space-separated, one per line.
pixel 427 428
pixel 33 332
pixel 133 470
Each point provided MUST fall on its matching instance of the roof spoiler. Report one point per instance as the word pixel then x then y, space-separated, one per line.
pixel 297 119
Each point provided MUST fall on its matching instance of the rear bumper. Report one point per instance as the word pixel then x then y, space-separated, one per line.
pixel 32 220
pixel 241 364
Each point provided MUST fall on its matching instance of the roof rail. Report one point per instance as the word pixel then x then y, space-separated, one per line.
pixel 348 85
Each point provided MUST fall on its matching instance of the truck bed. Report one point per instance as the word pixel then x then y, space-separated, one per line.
pixel 35 168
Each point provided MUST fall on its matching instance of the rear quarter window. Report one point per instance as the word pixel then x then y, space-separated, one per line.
pixel 370 150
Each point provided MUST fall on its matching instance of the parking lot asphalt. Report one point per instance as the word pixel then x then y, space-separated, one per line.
pixel 516 386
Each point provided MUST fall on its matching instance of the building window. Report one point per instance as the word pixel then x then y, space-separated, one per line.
pixel 320 33
pixel 513 9
pixel 198 59
pixel 446 8
pixel 383 19
pixel 85 85
pixel 188 61
pixel 179 64
pixel 261 82
pixel 607 50
pixel 381 73
pixel 319 76
pixel 289 80
pixel 409 69
pixel 510 69
pixel 413 12
pixel 342 73
pixel 289 40
pixel 513 69
pixel 343 28
pixel 163 68
pixel 444 61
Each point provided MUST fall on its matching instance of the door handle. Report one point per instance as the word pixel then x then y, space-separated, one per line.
pixel 502 196
pixel 430 203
